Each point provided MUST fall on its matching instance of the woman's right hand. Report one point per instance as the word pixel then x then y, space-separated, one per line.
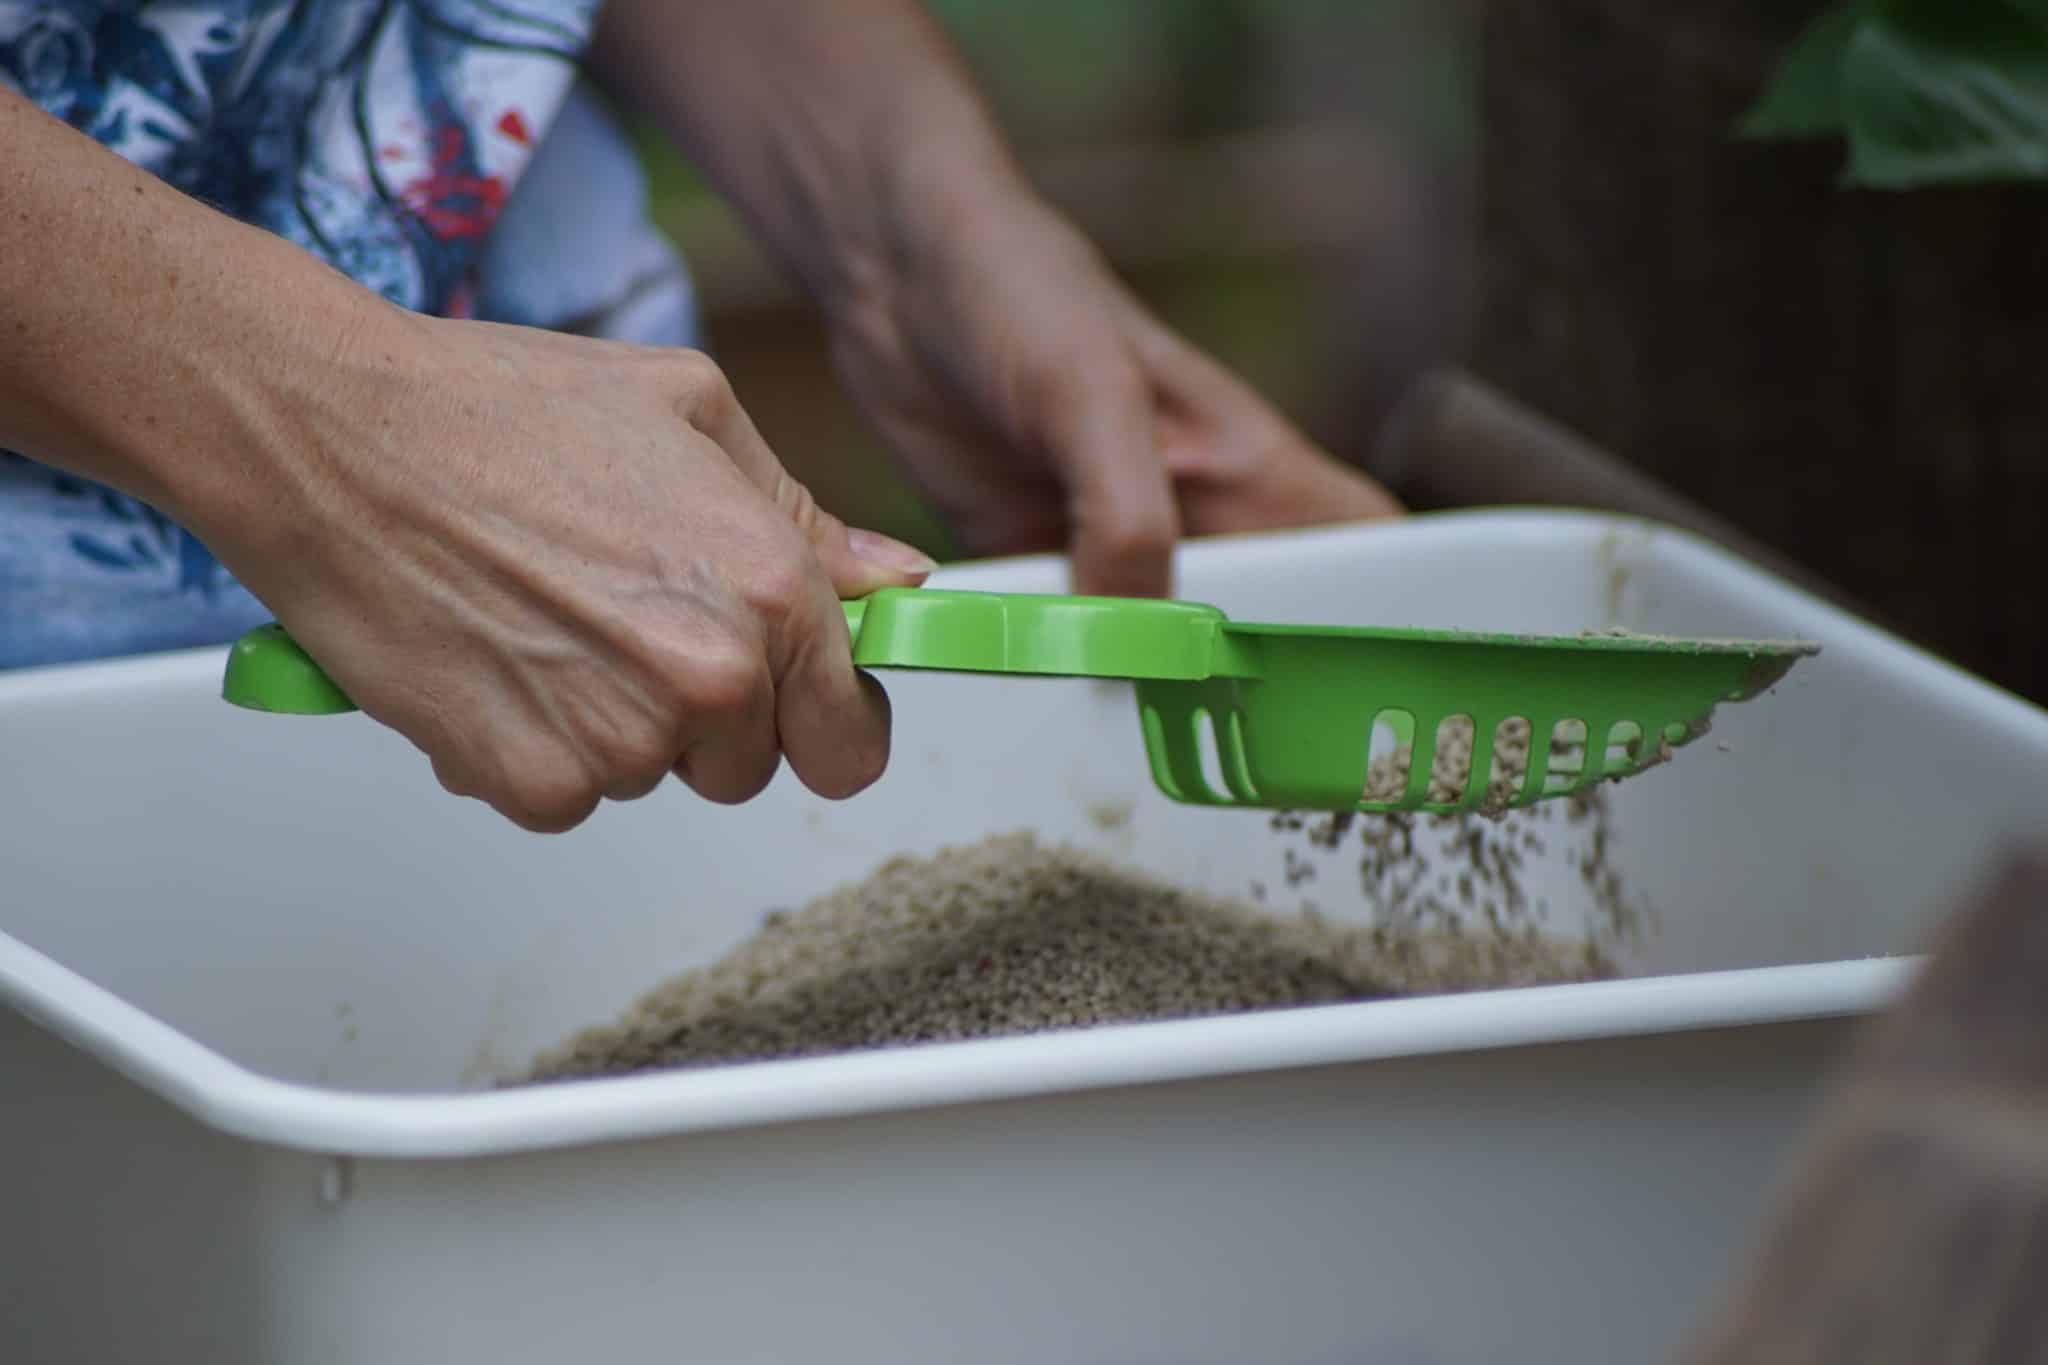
pixel 562 568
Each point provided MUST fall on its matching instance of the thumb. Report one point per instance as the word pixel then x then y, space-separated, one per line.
pixel 857 561
pixel 860 561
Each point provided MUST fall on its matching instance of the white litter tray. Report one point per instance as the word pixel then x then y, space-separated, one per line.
pixel 260 968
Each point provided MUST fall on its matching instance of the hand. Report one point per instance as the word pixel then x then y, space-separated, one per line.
pixel 561 567
pixel 1034 401
pixel 1040 406
pixel 565 568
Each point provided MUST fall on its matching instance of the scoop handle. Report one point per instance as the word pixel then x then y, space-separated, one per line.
pixel 267 670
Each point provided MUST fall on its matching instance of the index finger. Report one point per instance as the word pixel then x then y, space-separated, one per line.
pixel 1122 521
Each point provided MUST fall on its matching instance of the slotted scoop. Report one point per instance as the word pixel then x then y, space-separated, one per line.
pixel 1286 713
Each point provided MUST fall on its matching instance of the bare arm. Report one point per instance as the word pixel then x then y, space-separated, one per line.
pixel 150 342
pixel 845 131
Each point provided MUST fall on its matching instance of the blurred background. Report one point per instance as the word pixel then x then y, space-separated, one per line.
pixel 1548 209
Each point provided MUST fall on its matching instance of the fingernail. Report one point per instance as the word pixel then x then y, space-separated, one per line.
pixel 890 554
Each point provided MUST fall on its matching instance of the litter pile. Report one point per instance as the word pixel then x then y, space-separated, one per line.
pixel 1013 936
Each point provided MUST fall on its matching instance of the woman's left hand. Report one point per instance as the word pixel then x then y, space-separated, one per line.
pixel 1040 406
pixel 1034 401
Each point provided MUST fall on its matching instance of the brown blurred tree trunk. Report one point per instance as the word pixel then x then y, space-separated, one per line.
pixel 1859 379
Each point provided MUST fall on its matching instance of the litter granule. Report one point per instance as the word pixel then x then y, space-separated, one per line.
pixel 1451 760
pixel 1462 874
pixel 1013 936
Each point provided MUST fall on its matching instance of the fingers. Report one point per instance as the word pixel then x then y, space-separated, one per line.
pixel 728 705
pixel 536 783
pixel 723 704
pixel 1299 487
pixel 834 722
pixel 1214 425
pixel 1097 423
pixel 831 722
pixel 746 664
pixel 812 705
pixel 707 402
pixel 856 561
pixel 778 681
pixel 1237 464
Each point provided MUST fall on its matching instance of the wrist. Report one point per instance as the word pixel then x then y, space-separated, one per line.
pixel 223 437
pixel 847 134
pixel 284 469
pixel 933 198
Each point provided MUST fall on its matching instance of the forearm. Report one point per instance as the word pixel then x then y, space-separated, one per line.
pixel 845 131
pixel 146 340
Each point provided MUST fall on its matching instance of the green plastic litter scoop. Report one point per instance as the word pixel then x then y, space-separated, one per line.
pixel 1279 716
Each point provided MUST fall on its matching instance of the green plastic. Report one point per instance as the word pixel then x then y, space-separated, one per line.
pixel 1273 716
pixel 268 671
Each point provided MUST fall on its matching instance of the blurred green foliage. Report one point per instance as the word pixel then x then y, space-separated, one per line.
pixel 1923 92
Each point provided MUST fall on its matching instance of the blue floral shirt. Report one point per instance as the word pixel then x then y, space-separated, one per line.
pixel 385 137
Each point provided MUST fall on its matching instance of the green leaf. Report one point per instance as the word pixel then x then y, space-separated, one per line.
pixel 1946 91
pixel 1803 98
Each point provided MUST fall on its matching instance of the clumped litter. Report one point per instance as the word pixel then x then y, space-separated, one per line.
pixel 1013 935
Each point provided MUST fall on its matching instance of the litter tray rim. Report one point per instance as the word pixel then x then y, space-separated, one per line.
pixel 235 1100
pixel 239 1102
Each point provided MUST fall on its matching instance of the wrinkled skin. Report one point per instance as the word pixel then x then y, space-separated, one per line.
pixel 565 568
pixel 1041 407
